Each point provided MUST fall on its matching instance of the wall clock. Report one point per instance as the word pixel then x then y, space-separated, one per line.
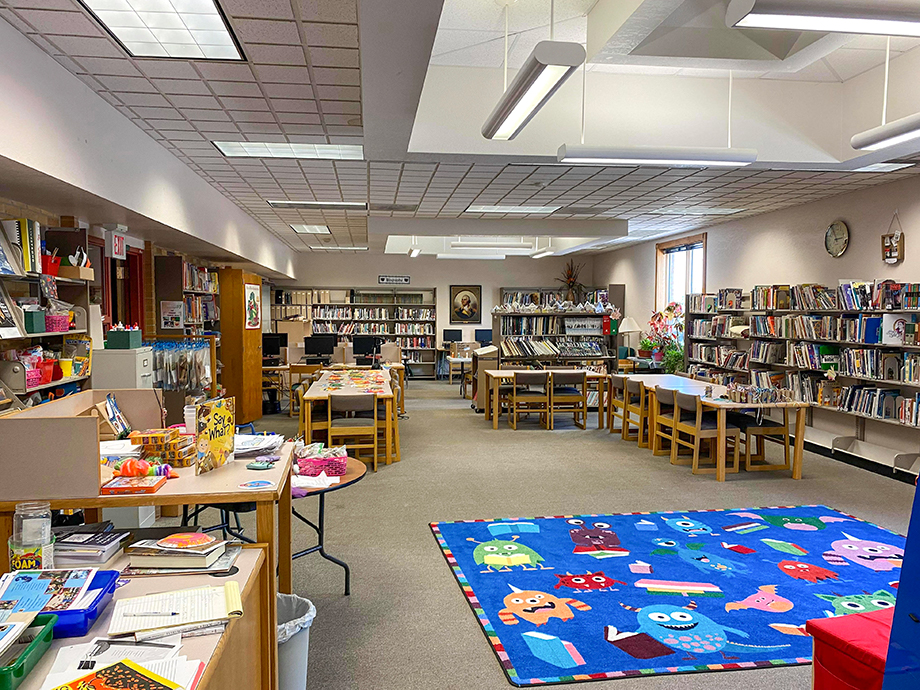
pixel 836 238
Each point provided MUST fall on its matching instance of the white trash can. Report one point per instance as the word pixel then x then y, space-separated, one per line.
pixel 295 616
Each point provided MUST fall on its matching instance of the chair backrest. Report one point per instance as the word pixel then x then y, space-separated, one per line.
pixel 347 402
pixel 664 396
pixel 618 382
pixel 531 378
pixel 623 352
pixel 391 352
pixel 569 378
pixel 687 402
pixel 634 386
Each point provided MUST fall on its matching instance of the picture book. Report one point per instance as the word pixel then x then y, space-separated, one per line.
pixel 133 485
pixel 9 258
pixel 119 676
pixel 9 320
pixel 24 593
pixel 215 427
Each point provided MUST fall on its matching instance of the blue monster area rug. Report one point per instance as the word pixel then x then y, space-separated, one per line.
pixel 592 597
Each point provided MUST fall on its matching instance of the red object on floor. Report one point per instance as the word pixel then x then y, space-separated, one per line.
pixel 850 651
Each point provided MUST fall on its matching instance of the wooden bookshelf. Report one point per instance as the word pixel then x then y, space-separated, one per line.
pixel 792 341
pixel 551 338
pixel 197 287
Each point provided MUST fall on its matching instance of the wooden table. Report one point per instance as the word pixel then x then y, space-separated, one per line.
pixel 354 473
pixel 218 486
pixel 319 392
pixel 245 655
pixel 494 378
pixel 398 367
pixel 462 361
pixel 273 378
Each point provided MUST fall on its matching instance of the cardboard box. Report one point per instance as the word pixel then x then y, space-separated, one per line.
pixel 123 340
pixel 76 272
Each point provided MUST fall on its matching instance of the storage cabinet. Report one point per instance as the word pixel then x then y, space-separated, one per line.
pixel 123 368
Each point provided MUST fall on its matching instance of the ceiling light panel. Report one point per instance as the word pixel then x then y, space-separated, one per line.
pixel 249 149
pixel 184 29
pixel 676 156
pixel 339 249
pixel 512 209
pixel 884 17
pixel 884 167
pixel 311 229
pixel 320 205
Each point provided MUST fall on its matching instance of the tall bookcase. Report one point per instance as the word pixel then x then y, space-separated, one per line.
pixel 406 316
pixel 197 287
pixel 791 336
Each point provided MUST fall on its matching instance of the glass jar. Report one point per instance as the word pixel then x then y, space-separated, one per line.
pixel 32 523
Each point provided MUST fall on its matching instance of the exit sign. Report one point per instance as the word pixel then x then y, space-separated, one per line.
pixel 115 246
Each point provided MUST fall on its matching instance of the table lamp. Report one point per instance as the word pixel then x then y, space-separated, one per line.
pixel 627 327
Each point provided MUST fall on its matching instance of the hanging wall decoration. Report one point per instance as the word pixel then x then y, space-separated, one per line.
pixel 252 296
pixel 893 242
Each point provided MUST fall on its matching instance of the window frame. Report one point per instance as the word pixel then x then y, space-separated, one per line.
pixel 662 249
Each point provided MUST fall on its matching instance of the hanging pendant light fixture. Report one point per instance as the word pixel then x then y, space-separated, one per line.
pixel 882 17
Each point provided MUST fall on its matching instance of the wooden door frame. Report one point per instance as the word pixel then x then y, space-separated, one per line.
pixel 106 279
pixel 135 262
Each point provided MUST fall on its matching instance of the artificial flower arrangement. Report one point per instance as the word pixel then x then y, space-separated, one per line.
pixel 666 333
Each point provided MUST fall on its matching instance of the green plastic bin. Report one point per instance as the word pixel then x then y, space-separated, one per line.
pixel 12 676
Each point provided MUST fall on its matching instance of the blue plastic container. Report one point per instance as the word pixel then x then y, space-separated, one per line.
pixel 77 623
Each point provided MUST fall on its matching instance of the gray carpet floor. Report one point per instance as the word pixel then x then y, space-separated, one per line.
pixel 407 626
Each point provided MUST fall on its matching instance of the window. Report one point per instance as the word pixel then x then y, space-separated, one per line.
pixel 681 269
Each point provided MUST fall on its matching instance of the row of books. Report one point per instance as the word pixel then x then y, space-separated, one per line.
pixel 564 347
pixel 199 278
pixel 909 410
pixel 764 352
pixel 542 298
pixel 370 313
pixel 406 314
pixel 813 356
pixel 887 329
pixel 414 329
pixel 199 309
pixel 415 358
pixel 339 313
pixel 720 355
pixel 350 328
pixel 417 342
pixel 532 325
pixel 20 247
pixel 723 378
pixel 856 295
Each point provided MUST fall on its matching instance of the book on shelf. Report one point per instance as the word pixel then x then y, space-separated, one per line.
pixel 730 298
pixel 25 236
pixel 702 304
pixel 11 319
pixel 148 553
pixel 10 257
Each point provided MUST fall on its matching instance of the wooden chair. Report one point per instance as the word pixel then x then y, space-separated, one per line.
pixel 526 400
pixel 636 404
pixel 755 431
pixel 690 420
pixel 505 391
pixel 318 413
pixel 345 424
pixel 616 402
pixel 662 421
pixel 299 373
pixel 624 365
pixel 569 393
pixel 382 419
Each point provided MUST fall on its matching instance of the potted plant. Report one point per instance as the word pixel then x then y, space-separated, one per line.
pixel 673 361
pixel 646 345
pixel 574 288
pixel 665 330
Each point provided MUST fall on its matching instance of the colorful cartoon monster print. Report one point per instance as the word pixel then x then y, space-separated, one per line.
pixel 764 599
pixel 537 607
pixel 686 525
pixel 699 558
pixel 795 522
pixel 598 541
pixel 805 571
pixel 500 555
pixel 686 630
pixel 859 603
pixel 872 554
pixel 597 582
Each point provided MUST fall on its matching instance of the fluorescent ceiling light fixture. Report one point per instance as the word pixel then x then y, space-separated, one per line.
pixel 477 257
pixel 470 244
pixel 695 211
pixel 414 251
pixel 185 29
pixel 672 156
pixel 884 167
pixel 250 149
pixel 284 203
pixel 310 229
pixel 512 209
pixel 339 249
pixel 892 134
pixel 885 17
pixel 542 253
pixel 544 71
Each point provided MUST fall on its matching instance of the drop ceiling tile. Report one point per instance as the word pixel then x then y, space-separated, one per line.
pixel 184 136
pixel 251 116
pixel 43 4
pixel 90 82
pixel 236 88
pixel 162 113
pixel 217 135
pixel 337 77
pixel 135 84
pixel 290 105
pixel 339 93
pixel 172 125
pixel 351 107
pixel 200 114
pixel 111 99
pixel 224 71
pixel 299 118
pixel 288 90
pixel 282 74
pixel 109 66
pixel 260 127
pixel 187 87
pixel 82 46
pixel 154 99
pixel 171 69
pixel 275 55
pixel 302 129
pixel 347 131
pixel 244 103
pixel 260 9
pixel 62 23
pixel 335 57
pixel 303 139
pixel 350 141
pixel 215 126
pixel 195 102
pixel 329 11
pixel 14 19
pixel 267 31
pixel 331 119
pixel 331 35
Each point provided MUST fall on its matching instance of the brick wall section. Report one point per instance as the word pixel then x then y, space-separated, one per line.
pixel 13 209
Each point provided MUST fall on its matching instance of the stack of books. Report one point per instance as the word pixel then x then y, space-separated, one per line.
pixel 182 553
pixel 89 549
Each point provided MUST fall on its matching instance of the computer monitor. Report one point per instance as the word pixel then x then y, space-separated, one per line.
pixel 320 345
pixel 483 336
pixel 452 335
pixel 366 345
pixel 272 344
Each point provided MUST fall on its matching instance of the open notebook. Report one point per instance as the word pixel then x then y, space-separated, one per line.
pixel 169 609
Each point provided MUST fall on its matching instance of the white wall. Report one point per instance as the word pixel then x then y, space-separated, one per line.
pixel 361 271
pixel 54 123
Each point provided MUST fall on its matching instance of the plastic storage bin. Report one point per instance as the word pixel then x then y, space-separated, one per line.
pixel 12 676
pixel 78 622
pixel 295 616
pixel 122 340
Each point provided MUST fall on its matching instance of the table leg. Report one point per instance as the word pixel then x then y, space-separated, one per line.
pixel 265 531
pixel 798 453
pixel 320 530
pixel 269 626
pixel 720 440
pixel 92 515
pixel 285 562
pixel 6 533
pixel 462 380
pixel 388 429
pixel 488 410
pixel 307 421
pixel 495 381
pixel 402 386
pixel 601 391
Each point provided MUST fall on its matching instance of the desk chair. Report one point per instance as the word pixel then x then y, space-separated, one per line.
pixel 690 420
pixel 526 400
pixel 662 421
pixel 636 406
pixel 504 391
pixel 569 394
pixel 381 418
pixel 755 430
pixel 624 365
pixel 299 373
pixel 616 402
pixel 346 425
pixel 318 413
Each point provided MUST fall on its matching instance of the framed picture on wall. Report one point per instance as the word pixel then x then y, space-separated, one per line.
pixel 466 303
pixel 252 295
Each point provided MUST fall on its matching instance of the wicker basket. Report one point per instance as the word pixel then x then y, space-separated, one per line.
pixel 333 467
